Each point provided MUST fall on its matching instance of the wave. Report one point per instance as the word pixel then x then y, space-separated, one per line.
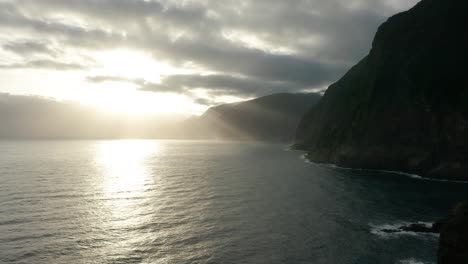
pixel 436 180
pixel 412 261
pixel 410 175
pixel 395 230
pixel 304 157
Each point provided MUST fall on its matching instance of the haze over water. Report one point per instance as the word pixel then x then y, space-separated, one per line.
pixel 205 202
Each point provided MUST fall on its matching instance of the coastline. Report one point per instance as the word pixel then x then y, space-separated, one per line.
pixel 304 156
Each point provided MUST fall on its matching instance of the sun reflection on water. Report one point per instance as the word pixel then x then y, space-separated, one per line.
pixel 125 179
pixel 123 162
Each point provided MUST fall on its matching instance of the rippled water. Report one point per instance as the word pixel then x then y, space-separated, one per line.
pixel 204 202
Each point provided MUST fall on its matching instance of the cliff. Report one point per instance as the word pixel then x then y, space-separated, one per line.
pixel 404 106
pixel 453 242
pixel 272 118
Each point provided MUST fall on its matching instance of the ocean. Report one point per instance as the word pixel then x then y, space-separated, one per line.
pixel 145 201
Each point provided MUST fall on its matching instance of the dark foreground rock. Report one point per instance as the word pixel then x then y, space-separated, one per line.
pixel 453 243
pixel 404 106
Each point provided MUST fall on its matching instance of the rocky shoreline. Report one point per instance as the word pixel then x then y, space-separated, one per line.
pixel 453 230
pixel 384 167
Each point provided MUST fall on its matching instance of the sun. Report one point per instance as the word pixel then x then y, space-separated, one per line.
pixel 121 95
pixel 131 64
pixel 118 98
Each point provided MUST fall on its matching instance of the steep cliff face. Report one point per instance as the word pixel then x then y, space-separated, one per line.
pixel 453 242
pixel 269 118
pixel 404 106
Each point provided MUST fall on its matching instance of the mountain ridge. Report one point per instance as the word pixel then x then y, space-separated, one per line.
pixel 271 118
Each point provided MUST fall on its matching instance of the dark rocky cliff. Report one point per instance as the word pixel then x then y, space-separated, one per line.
pixel 404 106
pixel 453 242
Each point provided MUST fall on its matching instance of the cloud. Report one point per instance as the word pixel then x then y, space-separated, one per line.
pixel 244 48
pixel 219 84
pixel 213 84
pixel 204 101
pixel 218 55
pixel 26 47
pixel 13 17
pixel 45 64
pixel 103 78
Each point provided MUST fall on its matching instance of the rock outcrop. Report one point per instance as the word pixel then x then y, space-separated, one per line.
pixel 416 228
pixel 453 243
pixel 405 106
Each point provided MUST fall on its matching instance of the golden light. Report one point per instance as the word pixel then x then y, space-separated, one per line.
pixel 125 179
pixel 122 98
pixel 131 64
pixel 123 164
pixel 122 95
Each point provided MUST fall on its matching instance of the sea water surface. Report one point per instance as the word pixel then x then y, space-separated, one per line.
pixel 137 201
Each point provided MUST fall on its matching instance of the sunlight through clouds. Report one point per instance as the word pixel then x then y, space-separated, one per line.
pixel 131 64
pixel 107 52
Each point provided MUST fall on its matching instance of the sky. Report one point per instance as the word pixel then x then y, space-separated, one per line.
pixel 181 56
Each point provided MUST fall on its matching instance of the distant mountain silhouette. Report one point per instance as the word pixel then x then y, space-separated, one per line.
pixel 43 118
pixel 405 106
pixel 271 118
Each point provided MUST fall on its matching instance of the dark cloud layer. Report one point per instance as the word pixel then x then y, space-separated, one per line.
pixel 247 48
pixel 215 84
pixel 26 47
pixel 45 64
pixel 220 84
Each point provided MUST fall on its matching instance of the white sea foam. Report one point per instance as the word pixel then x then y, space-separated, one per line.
pixel 413 176
pixel 411 261
pixel 379 230
pixel 334 166
pixel 437 180
pixel 304 157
